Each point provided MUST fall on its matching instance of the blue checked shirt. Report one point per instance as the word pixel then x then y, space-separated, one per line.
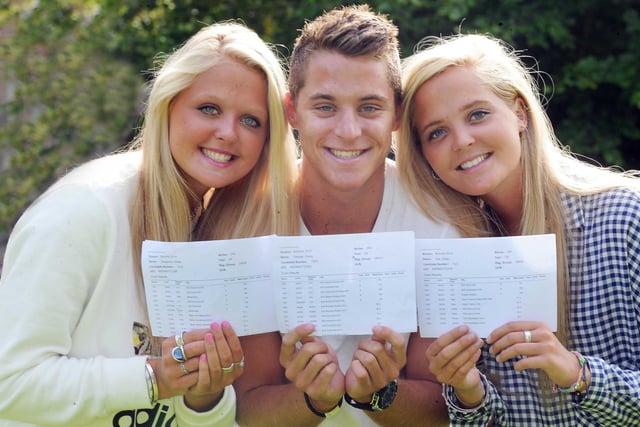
pixel 604 265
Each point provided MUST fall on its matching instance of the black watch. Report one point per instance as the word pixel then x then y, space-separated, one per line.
pixel 380 400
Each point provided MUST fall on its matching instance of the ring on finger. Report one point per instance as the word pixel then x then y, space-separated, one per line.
pixel 527 336
pixel 240 363
pixel 179 354
pixel 180 338
pixel 228 369
pixel 184 368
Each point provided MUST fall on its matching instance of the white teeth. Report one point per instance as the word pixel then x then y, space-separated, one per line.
pixel 346 154
pixel 472 163
pixel 218 157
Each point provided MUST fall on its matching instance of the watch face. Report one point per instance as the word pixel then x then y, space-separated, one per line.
pixel 386 396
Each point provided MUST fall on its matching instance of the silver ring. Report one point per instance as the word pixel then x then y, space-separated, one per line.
pixel 180 339
pixel 527 336
pixel 240 363
pixel 184 368
pixel 228 369
pixel 178 354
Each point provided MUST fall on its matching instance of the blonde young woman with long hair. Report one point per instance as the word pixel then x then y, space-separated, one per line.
pixel 215 158
pixel 475 138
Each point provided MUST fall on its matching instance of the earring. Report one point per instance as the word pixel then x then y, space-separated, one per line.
pixel 434 175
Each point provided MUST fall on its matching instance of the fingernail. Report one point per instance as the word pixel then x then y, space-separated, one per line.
pixel 208 338
pixel 215 326
pixel 203 357
pixel 226 324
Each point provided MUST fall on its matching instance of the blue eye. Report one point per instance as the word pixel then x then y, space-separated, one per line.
pixel 435 134
pixel 208 109
pixel 369 108
pixel 478 115
pixel 251 122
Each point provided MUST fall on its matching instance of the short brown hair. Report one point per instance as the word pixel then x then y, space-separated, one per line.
pixel 351 31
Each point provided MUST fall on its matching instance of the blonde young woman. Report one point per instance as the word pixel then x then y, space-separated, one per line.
pixel 215 158
pixel 474 137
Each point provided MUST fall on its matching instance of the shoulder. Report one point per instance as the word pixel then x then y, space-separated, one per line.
pixel 621 200
pixel 614 209
pixel 400 212
pixel 103 172
pixel 85 200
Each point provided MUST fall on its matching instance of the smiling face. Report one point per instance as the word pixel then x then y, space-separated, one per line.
pixel 469 135
pixel 218 126
pixel 345 114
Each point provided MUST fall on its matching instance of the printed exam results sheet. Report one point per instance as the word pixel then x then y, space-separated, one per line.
pixel 485 282
pixel 346 283
pixel 189 285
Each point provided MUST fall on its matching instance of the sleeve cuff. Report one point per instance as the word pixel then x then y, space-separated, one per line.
pixel 223 414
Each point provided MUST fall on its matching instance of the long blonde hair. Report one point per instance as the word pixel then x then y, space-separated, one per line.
pixel 548 168
pixel 264 201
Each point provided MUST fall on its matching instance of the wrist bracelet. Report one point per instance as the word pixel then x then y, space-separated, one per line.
pixel 318 413
pixel 152 383
pixel 580 385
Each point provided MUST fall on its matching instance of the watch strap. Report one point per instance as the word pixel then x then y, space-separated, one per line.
pixel 330 413
pixel 374 404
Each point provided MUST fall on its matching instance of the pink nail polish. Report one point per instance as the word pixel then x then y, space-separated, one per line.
pixel 226 324
pixel 215 326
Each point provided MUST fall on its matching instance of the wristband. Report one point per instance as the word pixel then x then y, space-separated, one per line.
pixel 580 386
pixel 318 413
pixel 152 383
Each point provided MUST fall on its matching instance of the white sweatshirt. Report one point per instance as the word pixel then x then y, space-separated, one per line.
pixel 70 313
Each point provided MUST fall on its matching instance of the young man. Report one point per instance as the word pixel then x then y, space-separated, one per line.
pixel 344 101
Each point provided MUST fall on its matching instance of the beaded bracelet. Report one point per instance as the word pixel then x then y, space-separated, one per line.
pixel 581 383
pixel 152 383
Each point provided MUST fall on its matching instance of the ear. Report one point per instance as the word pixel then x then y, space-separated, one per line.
pixel 397 116
pixel 521 113
pixel 290 110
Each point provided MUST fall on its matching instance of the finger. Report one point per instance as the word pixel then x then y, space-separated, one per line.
pixel 204 375
pixel 452 357
pixel 459 366
pixel 233 342
pixel 221 346
pixel 445 340
pixel 521 338
pixel 291 339
pixel 327 385
pixel 510 327
pixel 309 358
pixel 314 372
pixel 393 342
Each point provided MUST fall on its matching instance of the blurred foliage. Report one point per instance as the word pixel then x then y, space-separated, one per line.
pixel 63 98
pixel 72 71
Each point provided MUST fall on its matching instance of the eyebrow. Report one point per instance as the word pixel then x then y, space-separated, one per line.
pixel 372 97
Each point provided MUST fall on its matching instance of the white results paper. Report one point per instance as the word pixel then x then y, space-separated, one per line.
pixel 485 282
pixel 191 284
pixel 344 284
